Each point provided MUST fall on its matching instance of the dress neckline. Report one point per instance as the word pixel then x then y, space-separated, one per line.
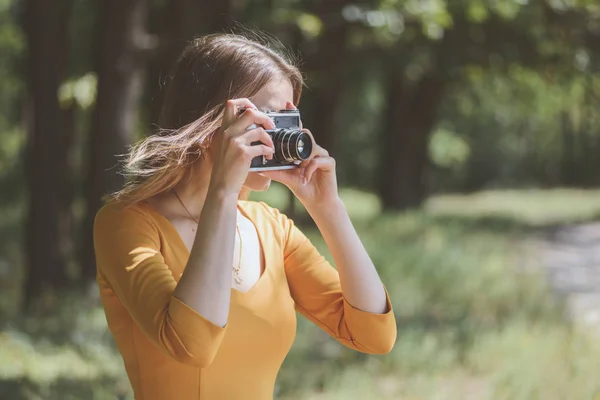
pixel 162 220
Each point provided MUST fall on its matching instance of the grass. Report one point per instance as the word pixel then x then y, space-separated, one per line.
pixel 534 208
pixel 474 320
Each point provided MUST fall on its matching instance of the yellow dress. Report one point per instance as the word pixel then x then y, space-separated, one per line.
pixel 172 352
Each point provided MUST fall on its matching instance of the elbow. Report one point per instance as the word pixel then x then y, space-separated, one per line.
pixel 189 352
pixel 204 360
pixel 202 357
pixel 189 348
pixel 387 342
pixel 188 337
pixel 376 344
pixel 381 348
pixel 198 359
pixel 375 348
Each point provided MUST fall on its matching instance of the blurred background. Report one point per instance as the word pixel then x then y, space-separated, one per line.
pixel 467 138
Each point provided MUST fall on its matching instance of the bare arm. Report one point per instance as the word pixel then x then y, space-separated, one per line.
pixel 186 319
pixel 359 279
pixel 316 289
pixel 315 184
pixel 205 285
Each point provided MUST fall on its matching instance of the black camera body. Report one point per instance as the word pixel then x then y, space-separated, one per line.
pixel 292 144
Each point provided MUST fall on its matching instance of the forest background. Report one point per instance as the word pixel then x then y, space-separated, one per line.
pixel 465 131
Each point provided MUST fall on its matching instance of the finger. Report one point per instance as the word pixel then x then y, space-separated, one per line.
pixel 318 151
pixel 323 163
pixel 232 108
pixel 289 105
pixel 260 150
pixel 287 177
pixel 258 135
pixel 309 171
pixel 250 117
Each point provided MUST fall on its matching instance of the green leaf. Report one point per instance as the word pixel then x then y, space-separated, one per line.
pixel 310 24
pixel 476 11
pixel 447 149
pixel 81 90
pixel 508 9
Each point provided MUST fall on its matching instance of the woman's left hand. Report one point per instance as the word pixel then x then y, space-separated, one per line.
pixel 314 183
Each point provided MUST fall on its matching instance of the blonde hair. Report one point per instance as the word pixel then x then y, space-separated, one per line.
pixel 211 70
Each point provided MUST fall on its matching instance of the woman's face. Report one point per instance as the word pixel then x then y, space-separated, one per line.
pixel 276 95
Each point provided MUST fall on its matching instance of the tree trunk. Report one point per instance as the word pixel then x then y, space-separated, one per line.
pixel 327 75
pixel 568 159
pixel 122 42
pixel 178 23
pixel 409 119
pixel 46 27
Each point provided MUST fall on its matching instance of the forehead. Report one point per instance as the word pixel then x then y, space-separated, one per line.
pixel 274 95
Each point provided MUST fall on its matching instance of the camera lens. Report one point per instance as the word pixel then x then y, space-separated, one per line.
pixel 292 145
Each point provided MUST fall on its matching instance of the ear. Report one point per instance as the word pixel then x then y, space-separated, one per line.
pixel 289 105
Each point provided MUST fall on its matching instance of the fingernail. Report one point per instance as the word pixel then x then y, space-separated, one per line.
pixel 304 181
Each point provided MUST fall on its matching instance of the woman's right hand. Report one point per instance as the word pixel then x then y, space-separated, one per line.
pixel 233 144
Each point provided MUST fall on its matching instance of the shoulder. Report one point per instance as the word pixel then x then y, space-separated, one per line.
pixel 115 216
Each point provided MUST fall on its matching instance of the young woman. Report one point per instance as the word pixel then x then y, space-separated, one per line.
pixel 201 288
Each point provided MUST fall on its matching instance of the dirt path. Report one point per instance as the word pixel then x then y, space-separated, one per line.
pixel 571 256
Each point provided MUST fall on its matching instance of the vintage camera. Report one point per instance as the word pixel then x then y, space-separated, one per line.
pixel 292 145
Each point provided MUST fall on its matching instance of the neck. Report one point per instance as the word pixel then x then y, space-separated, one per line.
pixel 193 187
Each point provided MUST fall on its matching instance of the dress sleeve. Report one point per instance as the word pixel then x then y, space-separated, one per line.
pixel 316 290
pixel 128 257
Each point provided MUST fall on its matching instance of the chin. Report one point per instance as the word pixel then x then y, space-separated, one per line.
pixel 257 183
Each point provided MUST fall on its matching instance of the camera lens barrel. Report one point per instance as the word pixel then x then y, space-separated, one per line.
pixel 292 145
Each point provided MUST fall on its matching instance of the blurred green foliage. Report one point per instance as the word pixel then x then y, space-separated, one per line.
pixel 475 317
pixel 518 127
pixel 519 112
pixel 12 96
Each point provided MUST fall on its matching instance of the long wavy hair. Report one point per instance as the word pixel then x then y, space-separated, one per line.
pixel 211 70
